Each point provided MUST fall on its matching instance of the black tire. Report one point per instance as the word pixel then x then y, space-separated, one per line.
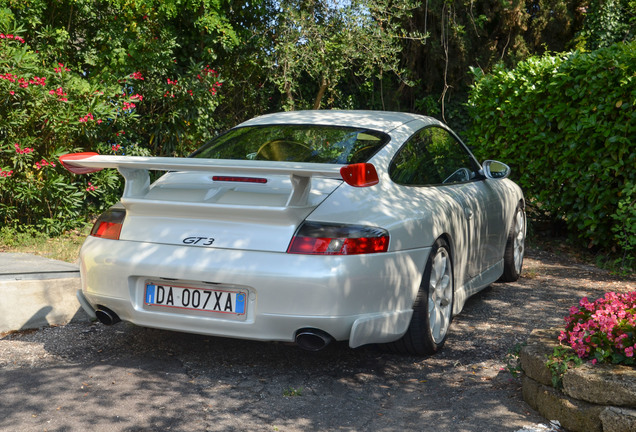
pixel 426 334
pixel 515 247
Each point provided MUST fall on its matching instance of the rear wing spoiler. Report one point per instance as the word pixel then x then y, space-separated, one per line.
pixel 135 170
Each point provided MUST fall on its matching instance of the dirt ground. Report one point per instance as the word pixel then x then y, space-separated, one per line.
pixel 86 376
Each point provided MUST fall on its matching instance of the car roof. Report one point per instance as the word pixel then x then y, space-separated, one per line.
pixel 384 121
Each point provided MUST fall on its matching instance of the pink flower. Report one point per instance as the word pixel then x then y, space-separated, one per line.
pixel 86 118
pixel 25 150
pixel 9 77
pixel 41 81
pixel 603 328
pixel 61 68
pixel 43 163
pixel 59 92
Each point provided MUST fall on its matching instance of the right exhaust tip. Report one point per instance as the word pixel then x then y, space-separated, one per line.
pixel 312 339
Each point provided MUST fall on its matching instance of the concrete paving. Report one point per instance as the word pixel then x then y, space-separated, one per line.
pixel 37 292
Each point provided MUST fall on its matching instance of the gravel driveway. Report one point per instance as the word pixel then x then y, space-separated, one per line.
pixel 85 376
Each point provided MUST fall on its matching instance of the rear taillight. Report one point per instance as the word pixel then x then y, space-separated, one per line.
pixel 315 238
pixel 108 225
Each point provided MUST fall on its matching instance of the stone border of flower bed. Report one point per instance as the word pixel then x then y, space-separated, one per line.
pixel 594 397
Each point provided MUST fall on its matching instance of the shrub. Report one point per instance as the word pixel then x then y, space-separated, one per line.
pixel 603 331
pixel 47 110
pixel 177 111
pixel 566 125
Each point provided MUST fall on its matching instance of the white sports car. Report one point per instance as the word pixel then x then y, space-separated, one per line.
pixel 306 226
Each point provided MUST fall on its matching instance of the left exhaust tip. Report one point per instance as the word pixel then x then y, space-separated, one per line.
pixel 106 316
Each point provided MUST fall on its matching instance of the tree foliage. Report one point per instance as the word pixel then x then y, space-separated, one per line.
pixel 319 44
pixel 165 42
pixel 479 34
pixel 608 22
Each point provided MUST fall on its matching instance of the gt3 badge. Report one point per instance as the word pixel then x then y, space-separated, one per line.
pixel 201 241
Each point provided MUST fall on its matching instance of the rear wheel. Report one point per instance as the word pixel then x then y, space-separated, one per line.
pixel 433 307
pixel 515 247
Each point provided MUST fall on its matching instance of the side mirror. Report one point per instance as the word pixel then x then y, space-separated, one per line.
pixel 495 169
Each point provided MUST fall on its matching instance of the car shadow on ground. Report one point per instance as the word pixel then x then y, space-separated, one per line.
pixel 128 378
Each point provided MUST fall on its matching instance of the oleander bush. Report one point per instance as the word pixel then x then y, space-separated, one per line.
pixel 48 107
pixel 47 110
pixel 567 125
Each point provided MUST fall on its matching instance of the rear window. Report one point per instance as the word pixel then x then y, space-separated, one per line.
pixel 296 143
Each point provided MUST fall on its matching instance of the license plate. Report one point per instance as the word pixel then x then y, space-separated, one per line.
pixel 199 299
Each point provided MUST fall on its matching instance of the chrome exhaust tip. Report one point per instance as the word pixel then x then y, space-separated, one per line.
pixel 312 339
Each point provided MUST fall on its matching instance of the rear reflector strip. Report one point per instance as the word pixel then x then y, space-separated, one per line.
pixel 240 179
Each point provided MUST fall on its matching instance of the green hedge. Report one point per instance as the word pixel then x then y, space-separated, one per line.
pixel 567 126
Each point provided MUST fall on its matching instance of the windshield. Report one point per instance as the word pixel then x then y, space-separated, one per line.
pixel 295 143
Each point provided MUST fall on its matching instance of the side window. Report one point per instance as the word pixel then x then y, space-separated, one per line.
pixel 432 156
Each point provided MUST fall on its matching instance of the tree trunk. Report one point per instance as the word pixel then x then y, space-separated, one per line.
pixel 321 93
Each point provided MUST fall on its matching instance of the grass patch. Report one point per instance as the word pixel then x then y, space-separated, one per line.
pixel 63 248
pixel 291 391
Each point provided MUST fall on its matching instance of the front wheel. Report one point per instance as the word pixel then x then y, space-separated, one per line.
pixel 515 247
pixel 433 307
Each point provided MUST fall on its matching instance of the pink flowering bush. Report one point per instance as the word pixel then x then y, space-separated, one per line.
pixel 126 95
pixel 46 110
pixel 179 112
pixel 603 330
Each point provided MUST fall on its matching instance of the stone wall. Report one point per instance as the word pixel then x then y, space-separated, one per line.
pixel 594 397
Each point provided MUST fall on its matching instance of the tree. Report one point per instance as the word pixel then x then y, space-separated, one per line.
pixel 482 34
pixel 172 45
pixel 318 43
pixel 608 22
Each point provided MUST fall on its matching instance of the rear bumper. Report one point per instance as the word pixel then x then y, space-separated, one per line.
pixel 363 298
